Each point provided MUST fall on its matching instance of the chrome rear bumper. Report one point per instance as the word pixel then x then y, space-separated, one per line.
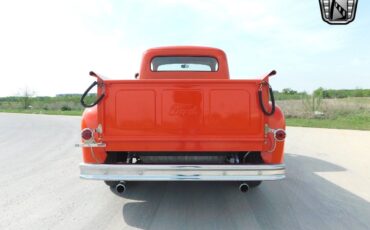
pixel 150 172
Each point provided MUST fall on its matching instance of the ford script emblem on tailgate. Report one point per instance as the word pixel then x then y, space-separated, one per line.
pixel 183 110
pixel 338 12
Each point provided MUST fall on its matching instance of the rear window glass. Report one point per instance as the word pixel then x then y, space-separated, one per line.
pixel 176 63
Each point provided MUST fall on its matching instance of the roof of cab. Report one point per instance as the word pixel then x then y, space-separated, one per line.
pixel 184 51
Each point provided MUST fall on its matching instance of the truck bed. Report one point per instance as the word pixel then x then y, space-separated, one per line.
pixel 181 115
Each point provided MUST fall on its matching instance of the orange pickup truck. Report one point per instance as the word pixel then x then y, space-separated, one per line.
pixel 182 118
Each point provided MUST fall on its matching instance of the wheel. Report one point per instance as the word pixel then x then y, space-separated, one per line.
pixel 254 184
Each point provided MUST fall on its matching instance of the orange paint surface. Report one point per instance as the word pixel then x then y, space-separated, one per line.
pixel 183 111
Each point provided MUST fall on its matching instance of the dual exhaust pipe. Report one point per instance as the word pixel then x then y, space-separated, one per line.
pixel 121 187
pixel 244 187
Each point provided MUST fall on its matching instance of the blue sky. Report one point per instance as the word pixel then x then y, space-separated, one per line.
pixel 50 47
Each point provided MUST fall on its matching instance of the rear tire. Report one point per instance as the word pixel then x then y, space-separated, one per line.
pixel 253 158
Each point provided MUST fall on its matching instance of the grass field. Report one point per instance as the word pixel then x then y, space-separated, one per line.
pixel 349 122
pixel 344 113
pixel 47 112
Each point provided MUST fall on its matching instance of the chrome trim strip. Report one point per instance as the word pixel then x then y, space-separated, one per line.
pixel 151 172
pixel 92 144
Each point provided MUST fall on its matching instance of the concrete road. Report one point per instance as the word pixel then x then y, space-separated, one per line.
pixel 327 186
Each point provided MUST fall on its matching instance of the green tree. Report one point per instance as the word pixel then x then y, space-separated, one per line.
pixel 289 91
pixel 25 97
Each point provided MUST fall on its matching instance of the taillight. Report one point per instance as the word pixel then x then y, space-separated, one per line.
pixel 280 134
pixel 87 134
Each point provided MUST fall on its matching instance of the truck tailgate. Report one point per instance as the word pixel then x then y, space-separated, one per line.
pixel 181 115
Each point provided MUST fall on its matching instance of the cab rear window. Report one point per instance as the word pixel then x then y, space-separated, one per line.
pixel 178 63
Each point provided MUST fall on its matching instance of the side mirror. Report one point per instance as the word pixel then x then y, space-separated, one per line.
pixel 136 75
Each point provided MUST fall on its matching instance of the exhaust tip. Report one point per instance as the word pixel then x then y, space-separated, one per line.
pixel 244 187
pixel 120 188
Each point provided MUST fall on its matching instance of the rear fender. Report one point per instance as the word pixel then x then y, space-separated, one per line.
pixel 276 121
pixel 91 154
